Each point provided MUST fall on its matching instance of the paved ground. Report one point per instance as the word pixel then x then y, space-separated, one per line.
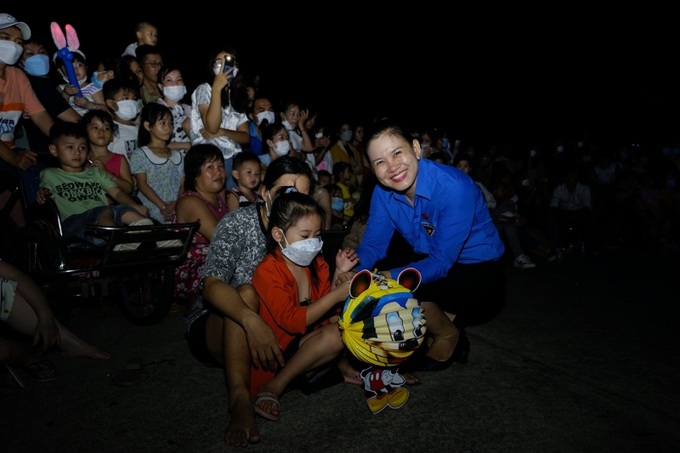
pixel 584 358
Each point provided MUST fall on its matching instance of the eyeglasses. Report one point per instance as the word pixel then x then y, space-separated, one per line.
pixel 154 64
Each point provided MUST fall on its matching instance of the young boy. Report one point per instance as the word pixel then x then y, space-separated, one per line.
pixel 146 33
pixel 80 192
pixel 121 99
pixel 247 176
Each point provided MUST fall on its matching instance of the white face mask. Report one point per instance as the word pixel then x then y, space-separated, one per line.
pixel 266 115
pixel 128 110
pixel 302 252
pixel 175 93
pixel 10 52
pixel 346 135
pixel 80 81
pixel 282 148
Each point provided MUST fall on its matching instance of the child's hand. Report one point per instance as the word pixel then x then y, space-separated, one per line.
pixel 341 291
pixel 42 195
pixel 70 90
pixel 168 210
pixel 346 259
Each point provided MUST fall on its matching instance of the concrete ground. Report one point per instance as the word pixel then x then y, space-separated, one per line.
pixel 584 358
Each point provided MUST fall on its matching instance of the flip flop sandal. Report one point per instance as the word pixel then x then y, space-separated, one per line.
pixel 266 396
pixel 41 371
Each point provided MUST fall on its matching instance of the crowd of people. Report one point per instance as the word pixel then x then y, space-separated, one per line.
pixel 266 176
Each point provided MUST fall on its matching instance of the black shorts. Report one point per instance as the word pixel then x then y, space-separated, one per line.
pixel 197 343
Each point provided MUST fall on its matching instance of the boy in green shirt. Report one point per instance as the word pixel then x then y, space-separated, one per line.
pixel 80 192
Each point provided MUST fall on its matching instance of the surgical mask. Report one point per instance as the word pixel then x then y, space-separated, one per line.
pixel 337 204
pixel 10 52
pixel 282 148
pixel 525 182
pixel 95 79
pixel 532 153
pixel 346 135
pixel 302 252
pixel 128 109
pixel 37 65
pixel 175 93
pixel 266 115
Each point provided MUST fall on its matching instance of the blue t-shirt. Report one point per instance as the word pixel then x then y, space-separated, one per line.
pixel 449 223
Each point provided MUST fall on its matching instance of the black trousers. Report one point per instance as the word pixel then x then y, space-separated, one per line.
pixel 475 293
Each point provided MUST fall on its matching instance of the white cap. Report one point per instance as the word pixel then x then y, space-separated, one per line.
pixel 7 21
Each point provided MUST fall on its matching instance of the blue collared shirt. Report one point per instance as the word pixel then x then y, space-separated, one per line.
pixel 449 222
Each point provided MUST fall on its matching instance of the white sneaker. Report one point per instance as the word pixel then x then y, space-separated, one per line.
pixel 523 262
pixel 133 245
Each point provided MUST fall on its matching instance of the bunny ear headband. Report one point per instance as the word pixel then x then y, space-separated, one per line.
pixel 67 44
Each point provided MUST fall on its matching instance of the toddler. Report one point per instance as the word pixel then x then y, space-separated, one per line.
pixel 247 176
pixel 121 96
pixel 146 33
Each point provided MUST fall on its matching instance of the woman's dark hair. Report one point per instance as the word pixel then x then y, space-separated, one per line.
pixel 285 165
pixel 269 131
pixel 287 209
pixel 194 160
pixel 386 126
pixel 151 113
pixel 102 115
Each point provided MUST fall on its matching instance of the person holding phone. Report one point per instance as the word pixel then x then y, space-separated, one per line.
pixel 218 110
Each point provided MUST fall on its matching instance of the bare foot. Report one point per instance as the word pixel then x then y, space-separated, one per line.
pixel 242 428
pixel 443 345
pixel 410 379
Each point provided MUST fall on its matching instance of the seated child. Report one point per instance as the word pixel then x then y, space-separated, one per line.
pixel 299 303
pixel 80 192
pixel 92 96
pixel 247 176
pixel 121 96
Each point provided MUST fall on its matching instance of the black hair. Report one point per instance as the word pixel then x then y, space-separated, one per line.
pixel 144 50
pixel 269 130
pixel 194 159
pixel 151 113
pixel 386 126
pixel 62 128
pixel 285 165
pixel 102 115
pixel 113 86
pixel 287 209
pixel 339 168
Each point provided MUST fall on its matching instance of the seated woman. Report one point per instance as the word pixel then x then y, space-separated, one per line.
pixel 204 199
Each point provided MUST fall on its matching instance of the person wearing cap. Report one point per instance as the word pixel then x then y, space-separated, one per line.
pixel 17 100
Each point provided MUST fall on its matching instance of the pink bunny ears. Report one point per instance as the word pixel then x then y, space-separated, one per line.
pixel 69 41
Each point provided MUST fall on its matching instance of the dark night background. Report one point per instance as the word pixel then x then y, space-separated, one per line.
pixel 522 77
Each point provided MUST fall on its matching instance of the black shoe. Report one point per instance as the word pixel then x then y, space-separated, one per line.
pixel 459 355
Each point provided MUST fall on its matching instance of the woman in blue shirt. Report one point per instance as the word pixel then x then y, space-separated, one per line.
pixel 442 215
